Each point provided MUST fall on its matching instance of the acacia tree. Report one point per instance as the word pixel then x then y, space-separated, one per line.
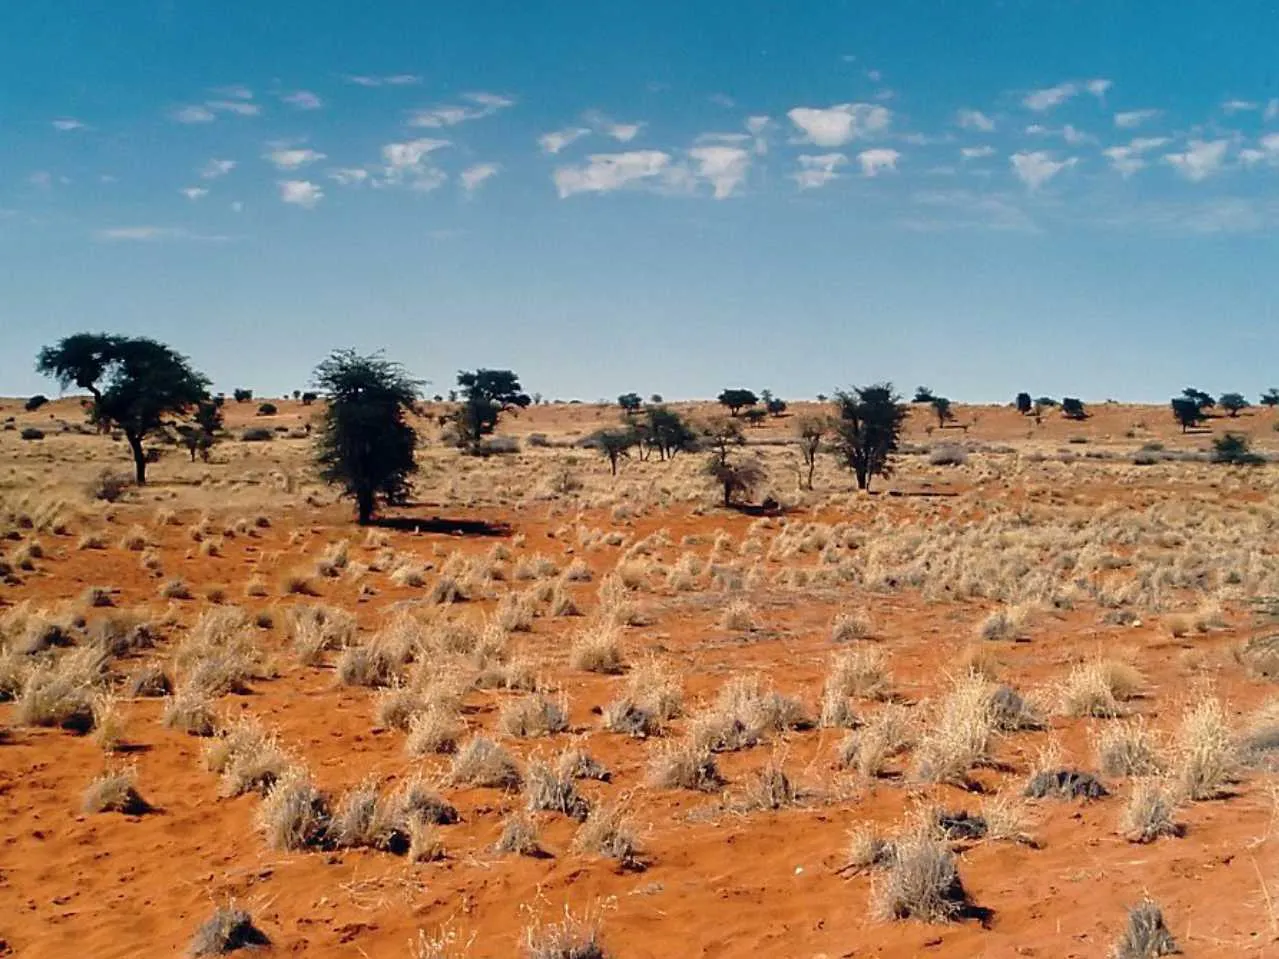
pixel 1232 403
pixel 486 395
pixel 733 476
pixel 365 443
pixel 630 403
pixel 614 444
pixel 737 400
pixel 1073 408
pixel 1024 403
pixel 666 431
pixel 135 383
pixel 1187 412
pixel 868 430
pixel 201 433
pixel 941 406
pixel 1270 398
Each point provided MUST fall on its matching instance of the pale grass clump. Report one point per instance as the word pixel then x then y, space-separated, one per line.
pixel 920 882
pixel 532 716
pixel 738 617
pixel 314 629
pixel 409 575
pixel 1006 819
pixel 574 761
pixel 1150 812
pixel 597 649
pixel 652 698
pixel 1099 688
pixel 1205 756
pixel 549 789
pixel 135 539
pixel 395 706
pixel 743 714
pixel 849 626
pixel 382 660
pixel 190 710
pixel 868 848
pixel 335 558
pixel 515 612
pixel 434 730
pixel 115 791
pixel 861 673
pixel 175 588
pixel 980 659
pixel 298 582
pixel 684 765
pixel 519 837
pixel 61 694
pixel 573 937
pixel 247 758
pixel 1004 623
pixel 577 572
pixel 108 723
pixel 1146 935
pixel 770 789
pixel 364 819
pixel 608 832
pixel 482 762
pixel 562 602
pixel 294 814
pixel 1128 749
pixel 960 734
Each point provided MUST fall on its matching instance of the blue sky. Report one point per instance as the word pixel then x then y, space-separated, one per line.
pixel 1068 198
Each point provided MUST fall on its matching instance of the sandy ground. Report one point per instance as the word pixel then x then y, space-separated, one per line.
pixel 716 879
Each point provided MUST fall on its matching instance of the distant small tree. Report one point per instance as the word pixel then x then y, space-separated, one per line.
pixel 630 403
pixel 941 406
pixel 614 444
pixel 1046 402
pixel 812 430
pixel 735 477
pixel 775 406
pixel 656 399
pixel 297 394
pixel 822 397
pixel 923 395
pixel 35 402
pixel 665 431
pixel 755 416
pixel 202 432
pixel 1270 398
pixel 452 396
pixel 1073 408
pixel 737 400
pixel 537 399
pixel 1232 403
pixel 1235 450
pixel 486 395
pixel 309 397
pixel 242 396
pixel 365 444
pixel 1187 412
pixel 1024 404
pixel 868 430
pixel 267 409
pixel 135 384
pixel 1203 400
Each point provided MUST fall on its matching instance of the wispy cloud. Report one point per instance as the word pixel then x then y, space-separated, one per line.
pixel 1266 151
pixel 193 114
pixel 1231 107
pixel 67 124
pixel 236 91
pixel 349 176
pixel 1049 97
pixel 1098 87
pixel 1038 167
pixel 976 153
pixel 1214 216
pixel 217 168
pixel 877 161
pixel 409 164
pixel 606 172
pixel 942 210
pixel 239 107
pixel 303 100
pixel 1272 109
pixel 557 140
pixel 837 125
pixel 816 171
pixel 758 125
pixel 151 234
pixel 974 120
pixel 301 193
pixel 1130 119
pixel 194 192
pixel 285 159
pixel 723 167
pixel 475 175
pixel 602 124
pixel 236 100
pixel 1127 159
pixel 478 106
pixel 1200 160
pixel 394 80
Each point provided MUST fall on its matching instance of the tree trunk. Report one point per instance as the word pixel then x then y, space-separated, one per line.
pixel 364 505
pixel 863 478
pixel 612 461
pixel 139 457
pixel 812 465
pixel 728 495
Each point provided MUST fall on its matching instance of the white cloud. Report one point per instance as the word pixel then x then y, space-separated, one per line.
pixel 1129 119
pixel 624 132
pixel 1201 159
pixel 194 192
pixel 724 167
pixel 1127 160
pixel 817 170
pixel 217 168
pixel 67 124
pixel 302 193
pixel 834 126
pixel 974 120
pixel 394 80
pixel 878 161
pixel 236 91
pixel 143 234
pixel 349 176
pixel 239 107
pixel 1036 168
pixel 237 206
pixel 293 159
pixel 408 163
pixel 1075 137
pixel 757 125
pixel 481 105
pixel 722 100
pixel 976 153
pixel 1272 109
pixel 303 100
pixel 193 114
pixel 1099 87
pixel 1238 106
pixel 557 140
pixel 605 172
pixel 473 176
pixel 1267 151
pixel 1049 97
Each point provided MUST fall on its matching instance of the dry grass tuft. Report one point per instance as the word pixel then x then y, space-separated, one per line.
pixel 435 730
pixel 115 791
pixel 850 626
pixel 608 832
pixel 960 734
pixel 1205 756
pixel 227 930
pixel 549 789
pixel 1149 812
pixel 572 937
pixel 1128 749
pixel 190 710
pixel 861 673
pixel 598 649
pixel 519 837
pixel 1146 936
pixel 771 789
pixel 738 617
pixel 743 714
pixel 921 882
pixel 684 765
pixel 885 735
pixel 1099 688
pixel 294 814
pixel 531 716
pixel 482 762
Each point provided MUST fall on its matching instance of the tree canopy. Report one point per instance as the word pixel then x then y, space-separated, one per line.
pixel 630 402
pixel 1024 403
pixel 1233 403
pixel 737 400
pixel 1073 408
pixel 1187 412
pixel 486 395
pixel 868 430
pixel 365 444
pixel 135 383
